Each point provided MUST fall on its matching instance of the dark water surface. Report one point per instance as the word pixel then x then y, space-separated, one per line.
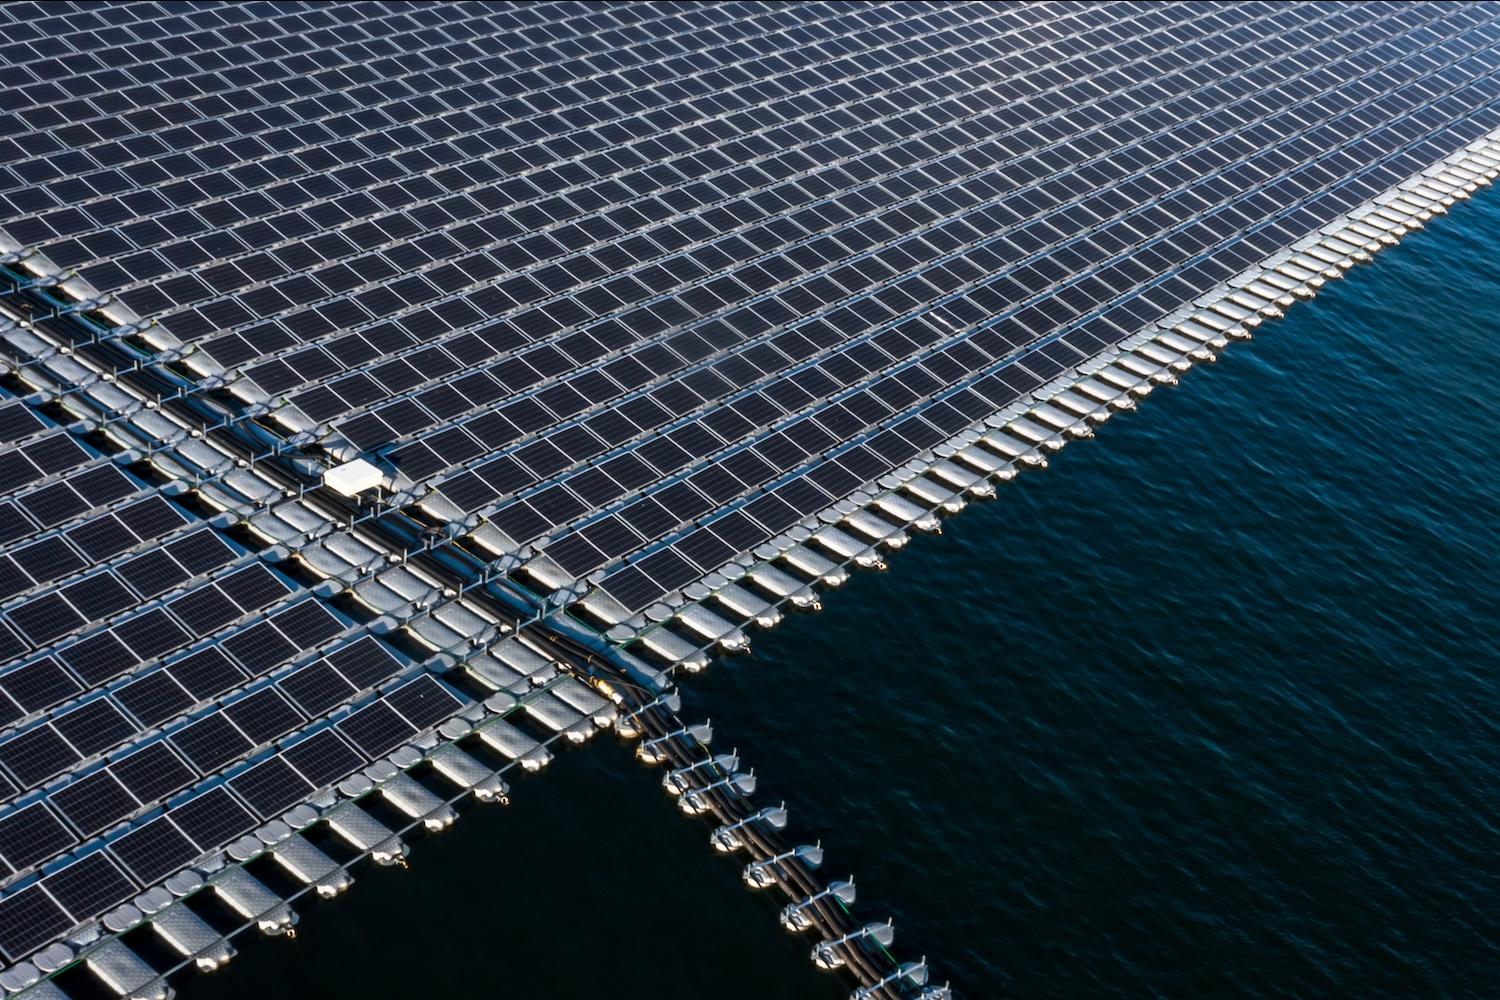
pixel 1207 709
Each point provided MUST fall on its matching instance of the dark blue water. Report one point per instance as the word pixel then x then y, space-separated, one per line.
pixel 1209 708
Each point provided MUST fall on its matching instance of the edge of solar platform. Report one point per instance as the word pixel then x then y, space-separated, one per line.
pixel 716 612
pixel 1023 434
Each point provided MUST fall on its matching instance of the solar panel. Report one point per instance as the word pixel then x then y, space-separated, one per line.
pixel 30 835
pixel 423 702
pixel 264 715
pixel 376 728
pixel 153 851
pixel 152 772
pixel 364 663
pixel 212 818
pixel 90 886
pixel 211 742
pixel 205 673
pixel 317 688
pixel 322 758
pixel 271 787
pixel 35 755
pixel 634 288
pixel 94 803
pixel 39 684
pixel 29 919
pixel 95 726
pixel 154 698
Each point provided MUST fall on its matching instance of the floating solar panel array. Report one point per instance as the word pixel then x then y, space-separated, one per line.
pixel 620 305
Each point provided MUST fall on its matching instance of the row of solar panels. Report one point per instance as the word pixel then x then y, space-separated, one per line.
pixel 714 614
pixel 378 155
pixel 204 820
pixel 201 824
pixel 67 41
pixel 134 781
pixel 1267 239
pixel 98 882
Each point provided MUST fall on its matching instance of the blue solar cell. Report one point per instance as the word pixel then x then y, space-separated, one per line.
pixel 94 803
pixel 323 758
pixel 32 834
pixel 28 920
pixel 376 728
pixel 212 819
pixel 154 851
pixel 271 787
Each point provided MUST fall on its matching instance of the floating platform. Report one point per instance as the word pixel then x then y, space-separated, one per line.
pixel 332 498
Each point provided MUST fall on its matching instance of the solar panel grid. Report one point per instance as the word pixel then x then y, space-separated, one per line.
pixel 365 663
pixel 209 743
pixel 147 575
pixel 265 27
pixel 206 673
pixel 376 728
pixel 392 99
pixel 96 726
pixel 264 715
pixel 55 507
pixel 260 648
pixel 644 298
